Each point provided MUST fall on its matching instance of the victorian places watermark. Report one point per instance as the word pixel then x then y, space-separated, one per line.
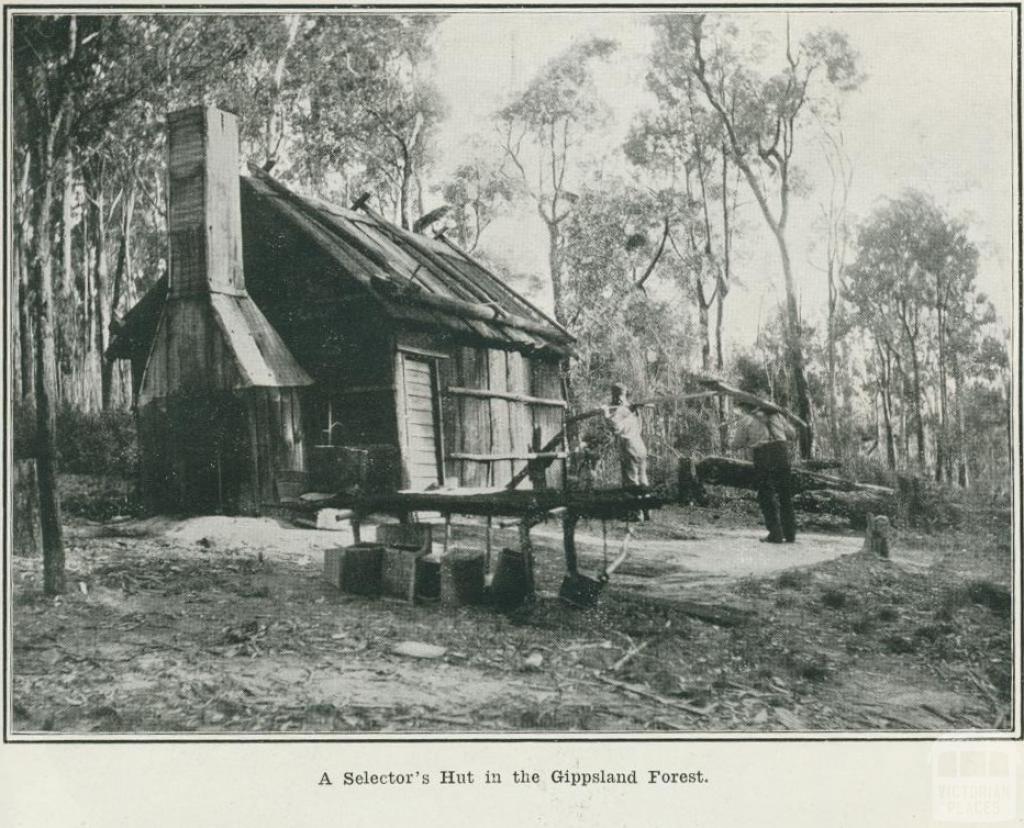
pixel 973 782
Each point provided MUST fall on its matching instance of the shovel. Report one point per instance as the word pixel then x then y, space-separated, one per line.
pixel 581 591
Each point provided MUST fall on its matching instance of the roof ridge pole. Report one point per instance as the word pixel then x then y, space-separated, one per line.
pixel 498 279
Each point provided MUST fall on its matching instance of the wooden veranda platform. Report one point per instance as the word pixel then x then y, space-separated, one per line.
pixel 528 507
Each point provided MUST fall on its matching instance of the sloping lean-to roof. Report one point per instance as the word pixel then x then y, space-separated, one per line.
pixel 424 282
pixel 416 279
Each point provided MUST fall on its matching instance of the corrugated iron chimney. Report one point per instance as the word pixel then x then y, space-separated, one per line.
pixel 205 220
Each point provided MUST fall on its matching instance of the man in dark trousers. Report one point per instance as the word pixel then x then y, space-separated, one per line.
pixel 766 435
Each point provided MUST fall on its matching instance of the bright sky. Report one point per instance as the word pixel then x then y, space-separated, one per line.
pixel 935 113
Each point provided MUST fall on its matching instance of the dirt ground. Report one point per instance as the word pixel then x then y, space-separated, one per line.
pixel 216 624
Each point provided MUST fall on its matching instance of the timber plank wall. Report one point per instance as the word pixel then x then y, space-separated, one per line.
pixel 487 435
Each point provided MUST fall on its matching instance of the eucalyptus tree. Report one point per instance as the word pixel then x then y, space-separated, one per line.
pixel 542 132
pixel 682 144
pixel 346 97
pixel 761 111
pixel 73 75
pixel 476 193
pixel 913 287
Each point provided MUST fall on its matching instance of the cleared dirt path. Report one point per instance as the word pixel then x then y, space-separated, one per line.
pixel 705 556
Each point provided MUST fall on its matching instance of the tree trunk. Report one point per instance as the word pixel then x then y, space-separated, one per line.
pixel 67 285
pixel 918 416
pixel 83 335
pixel 409 149
pixel 961 428
pixel 794 347
pixel 99 326
pixel 721 405
pixel 904 430
pixel 942 449
pixel 21 268
pixel 405 198
pixel 726 275
pixel 719 326
pixel 66 343
pixel 833 406
pixel 121 269
pixel 890 443
pixel 46 442
pixel 705 334
pixel 555 265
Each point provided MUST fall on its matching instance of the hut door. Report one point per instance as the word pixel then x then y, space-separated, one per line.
pixel 420 404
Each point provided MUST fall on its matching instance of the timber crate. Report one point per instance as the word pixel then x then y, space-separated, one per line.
pixel 405 544
pixel 462 578
pixel 355 569
pixel 510 584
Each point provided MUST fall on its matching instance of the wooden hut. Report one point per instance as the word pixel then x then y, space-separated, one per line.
pixel 300 346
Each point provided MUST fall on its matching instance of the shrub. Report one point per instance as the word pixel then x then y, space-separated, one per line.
pixel 101 442
pixel 98 497
pixel 980 592
pixel 834 598
pixel 869 470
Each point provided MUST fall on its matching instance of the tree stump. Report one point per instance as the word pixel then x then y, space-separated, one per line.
pixel 876 538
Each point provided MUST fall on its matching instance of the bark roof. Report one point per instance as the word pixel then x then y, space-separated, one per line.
pixel 415 280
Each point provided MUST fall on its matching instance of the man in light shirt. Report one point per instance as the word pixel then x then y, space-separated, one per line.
pixel 766 435
pixel 625 421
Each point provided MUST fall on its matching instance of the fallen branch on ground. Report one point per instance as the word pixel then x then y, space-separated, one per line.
pixel 618 665
pixel 648 694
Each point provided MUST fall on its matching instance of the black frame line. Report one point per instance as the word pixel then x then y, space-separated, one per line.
pixel 720 737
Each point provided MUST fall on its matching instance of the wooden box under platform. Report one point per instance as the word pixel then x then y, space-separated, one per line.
pixel 525 507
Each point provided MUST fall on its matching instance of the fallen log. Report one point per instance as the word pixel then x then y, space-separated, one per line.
pixel 855 506
pixel 726 471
